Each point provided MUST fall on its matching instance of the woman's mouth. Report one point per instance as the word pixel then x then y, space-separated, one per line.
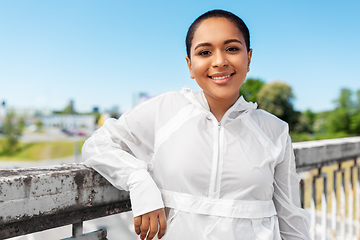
pixel 221 79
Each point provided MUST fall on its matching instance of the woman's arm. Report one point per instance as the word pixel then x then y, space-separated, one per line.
pixel 293 220
pixel 120 151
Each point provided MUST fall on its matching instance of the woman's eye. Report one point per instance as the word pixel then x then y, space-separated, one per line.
pixel 204 53
pixel 232 49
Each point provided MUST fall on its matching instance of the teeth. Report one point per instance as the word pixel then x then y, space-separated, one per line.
pixel 219 78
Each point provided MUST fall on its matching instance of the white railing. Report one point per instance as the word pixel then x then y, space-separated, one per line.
pixel 342 153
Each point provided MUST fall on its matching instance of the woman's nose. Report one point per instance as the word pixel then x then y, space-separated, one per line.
pixel 219 60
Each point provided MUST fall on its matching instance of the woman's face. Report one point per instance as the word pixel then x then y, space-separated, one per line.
pixel 219 60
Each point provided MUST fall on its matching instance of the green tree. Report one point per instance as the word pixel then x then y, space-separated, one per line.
pixel 357 103
pixel 250 89
pixel 13 129
pixel 305 123
pixel 344 101
pixel 320 120
pixel 69 109
pixel 310 117
pixel 355 118
pixel 355 123
pixel 339 119
pixel 276 98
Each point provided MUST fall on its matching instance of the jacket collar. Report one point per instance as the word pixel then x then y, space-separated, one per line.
pixel 199 100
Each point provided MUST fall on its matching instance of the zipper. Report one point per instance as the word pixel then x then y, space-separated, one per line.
pixel 214 191
pixel 218 148
pixel 218 159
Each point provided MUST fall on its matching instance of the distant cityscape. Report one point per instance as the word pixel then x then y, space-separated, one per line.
pixel 69 120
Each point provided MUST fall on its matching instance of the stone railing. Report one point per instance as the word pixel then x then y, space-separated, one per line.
pixel 317 155
pixel 36 199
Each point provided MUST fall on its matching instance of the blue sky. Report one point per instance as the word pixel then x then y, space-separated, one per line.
pixel 101 53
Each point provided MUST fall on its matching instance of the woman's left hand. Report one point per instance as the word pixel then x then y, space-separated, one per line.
pixel 154 220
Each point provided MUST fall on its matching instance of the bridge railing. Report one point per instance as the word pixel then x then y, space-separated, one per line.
pixel 342 153
pixel 36 199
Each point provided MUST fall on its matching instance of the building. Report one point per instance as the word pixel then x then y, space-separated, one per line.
pixel 69 121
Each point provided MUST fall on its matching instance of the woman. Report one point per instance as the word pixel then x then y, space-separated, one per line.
pixel 221 168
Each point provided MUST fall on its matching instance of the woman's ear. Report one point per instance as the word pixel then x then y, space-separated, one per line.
pixel 188 61
pixel 249 58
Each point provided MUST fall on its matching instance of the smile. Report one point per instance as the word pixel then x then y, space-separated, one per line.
pixel 219 78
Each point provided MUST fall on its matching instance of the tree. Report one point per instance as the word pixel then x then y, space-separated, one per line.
pixel 355 118
pixel 250 89
pixel 69 109
pixel 355 123
pixel 276 98
pixel 13 131
pixel 305 122
pixel 339 119
pixel 320 120
pixel 344 101
pixel 310 117
pixel 357 103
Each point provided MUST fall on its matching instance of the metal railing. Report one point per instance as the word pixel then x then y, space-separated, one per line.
pixel 36 199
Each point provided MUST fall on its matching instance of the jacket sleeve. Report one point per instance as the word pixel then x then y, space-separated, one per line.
pixel 293 220
pixel 121 150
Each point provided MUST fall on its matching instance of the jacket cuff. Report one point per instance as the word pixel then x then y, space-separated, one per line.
pixel 145 196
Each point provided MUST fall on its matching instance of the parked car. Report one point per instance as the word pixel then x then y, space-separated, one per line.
pixel 73 132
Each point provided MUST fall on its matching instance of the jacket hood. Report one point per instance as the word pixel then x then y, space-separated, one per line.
pixel 199 100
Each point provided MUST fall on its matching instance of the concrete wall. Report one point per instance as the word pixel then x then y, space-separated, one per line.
pixel 36 199
pixel 314 154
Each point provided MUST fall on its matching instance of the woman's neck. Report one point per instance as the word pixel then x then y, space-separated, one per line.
pixel 219 107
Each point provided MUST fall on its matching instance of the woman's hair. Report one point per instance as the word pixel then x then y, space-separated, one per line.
pixel 239 23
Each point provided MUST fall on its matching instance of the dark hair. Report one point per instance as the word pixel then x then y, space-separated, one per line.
pixel 239 23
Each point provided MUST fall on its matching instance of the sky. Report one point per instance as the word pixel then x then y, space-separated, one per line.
pixel 103 53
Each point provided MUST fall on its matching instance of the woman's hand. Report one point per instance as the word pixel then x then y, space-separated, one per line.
pixel 150 223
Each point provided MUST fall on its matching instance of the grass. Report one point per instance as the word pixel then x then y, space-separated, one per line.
pixel 41 150
pixel 301 137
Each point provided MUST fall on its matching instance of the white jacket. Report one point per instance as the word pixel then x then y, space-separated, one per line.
pixel 230 180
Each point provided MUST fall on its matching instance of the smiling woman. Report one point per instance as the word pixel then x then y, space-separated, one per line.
pixel 205 165
pixel 219 62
